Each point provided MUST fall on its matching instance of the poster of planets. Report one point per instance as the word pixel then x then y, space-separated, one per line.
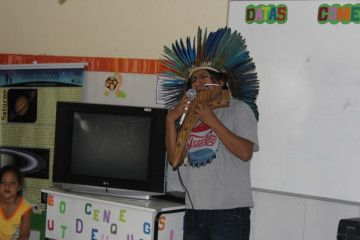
pixel 28 96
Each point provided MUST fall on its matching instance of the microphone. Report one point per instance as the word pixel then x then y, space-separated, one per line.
pixel 191 93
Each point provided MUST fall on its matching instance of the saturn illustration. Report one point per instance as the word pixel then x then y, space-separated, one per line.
pixel 25 160
pixel 21 105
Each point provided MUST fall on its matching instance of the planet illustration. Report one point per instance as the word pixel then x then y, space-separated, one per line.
pixel 26 161
pixel 21 105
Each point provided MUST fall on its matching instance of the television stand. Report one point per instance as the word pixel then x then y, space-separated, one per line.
pixel 72 215
pixel 178 197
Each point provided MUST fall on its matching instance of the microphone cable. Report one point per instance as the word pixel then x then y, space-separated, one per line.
pixel 184 188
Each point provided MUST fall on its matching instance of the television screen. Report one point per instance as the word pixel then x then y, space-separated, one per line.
pixel 122 142
pixel 104 149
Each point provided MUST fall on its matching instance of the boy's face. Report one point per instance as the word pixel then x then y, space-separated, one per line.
pixel 201 77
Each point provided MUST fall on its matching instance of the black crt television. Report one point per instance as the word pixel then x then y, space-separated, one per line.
pixel 110 149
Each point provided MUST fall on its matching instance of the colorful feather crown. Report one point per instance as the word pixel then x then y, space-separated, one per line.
pixel 221 51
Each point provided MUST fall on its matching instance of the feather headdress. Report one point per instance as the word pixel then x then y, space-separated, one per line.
pixel 221 51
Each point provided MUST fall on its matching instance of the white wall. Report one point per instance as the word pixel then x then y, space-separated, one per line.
pixel 103 28
pixel 277 216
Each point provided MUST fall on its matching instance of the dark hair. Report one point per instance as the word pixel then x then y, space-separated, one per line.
pixel 13 169
pixel 214 75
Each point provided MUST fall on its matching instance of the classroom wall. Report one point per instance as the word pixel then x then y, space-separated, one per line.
pixel 139 29
pixel 110 28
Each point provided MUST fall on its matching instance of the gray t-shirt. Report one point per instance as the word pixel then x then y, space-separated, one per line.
pixel 216 179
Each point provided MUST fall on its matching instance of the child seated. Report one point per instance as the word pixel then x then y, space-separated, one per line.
pixel 15 212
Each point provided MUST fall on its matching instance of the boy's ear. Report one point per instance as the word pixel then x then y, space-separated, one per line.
pixel 222 83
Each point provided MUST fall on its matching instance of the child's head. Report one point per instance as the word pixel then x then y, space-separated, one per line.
pixel 9 174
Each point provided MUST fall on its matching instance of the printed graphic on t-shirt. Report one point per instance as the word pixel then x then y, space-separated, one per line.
pixel 9 231
pixel 202 145
pixel 16 231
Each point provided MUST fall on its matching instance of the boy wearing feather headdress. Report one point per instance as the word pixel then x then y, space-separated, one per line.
pixel 221 143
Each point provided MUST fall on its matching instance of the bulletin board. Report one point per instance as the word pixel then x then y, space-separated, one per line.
pixel 28 96
pixel 309 102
